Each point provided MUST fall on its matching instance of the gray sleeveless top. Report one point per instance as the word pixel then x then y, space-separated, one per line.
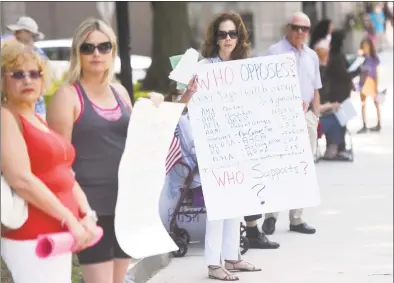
pixel 99 145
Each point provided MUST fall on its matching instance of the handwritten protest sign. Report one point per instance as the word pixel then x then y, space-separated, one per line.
pixel 142 172
pixel 251 138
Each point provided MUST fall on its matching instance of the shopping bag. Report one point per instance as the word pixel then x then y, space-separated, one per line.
pixel 369 87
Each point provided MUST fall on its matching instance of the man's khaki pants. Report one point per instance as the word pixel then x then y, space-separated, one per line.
pixel 295 215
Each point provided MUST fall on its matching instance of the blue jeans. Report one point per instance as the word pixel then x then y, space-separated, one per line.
pixel 331 129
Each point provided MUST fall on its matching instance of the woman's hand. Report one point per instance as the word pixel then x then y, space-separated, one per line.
pixel 90 226
pixel 192 86
pixel 335 106
pixel 190 90
pixel 156 98
pixel 305 106
pixel 81 235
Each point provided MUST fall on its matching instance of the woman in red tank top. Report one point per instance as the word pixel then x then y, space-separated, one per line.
pixel 36 163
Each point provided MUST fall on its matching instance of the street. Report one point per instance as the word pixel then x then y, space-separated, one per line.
pixel 354 239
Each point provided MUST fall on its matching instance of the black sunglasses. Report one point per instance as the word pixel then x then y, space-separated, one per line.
pixel 223 34
pixel 20 75
pixel 297 28
pixel 89 48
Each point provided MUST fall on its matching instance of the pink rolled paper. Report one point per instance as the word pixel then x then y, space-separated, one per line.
pixel 58 243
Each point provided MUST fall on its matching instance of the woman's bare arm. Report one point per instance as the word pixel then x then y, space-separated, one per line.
pixel 81 198
pixel 61 111
pixel 122 91
pixel 15 167
pixel 61 116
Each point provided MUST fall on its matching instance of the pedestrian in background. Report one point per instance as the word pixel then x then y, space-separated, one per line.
pixel 369 82
pixel 297 29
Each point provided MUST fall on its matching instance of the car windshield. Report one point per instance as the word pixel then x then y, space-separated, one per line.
pixel 57 53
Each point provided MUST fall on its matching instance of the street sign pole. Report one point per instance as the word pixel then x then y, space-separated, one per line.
pixel 122 21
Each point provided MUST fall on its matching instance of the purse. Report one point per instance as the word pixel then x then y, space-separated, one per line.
pixel 369 87
pixel 14 211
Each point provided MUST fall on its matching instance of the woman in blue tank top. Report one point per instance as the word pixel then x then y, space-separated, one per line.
pixel 94 114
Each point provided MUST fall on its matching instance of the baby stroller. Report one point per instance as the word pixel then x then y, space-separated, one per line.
pixel 191 204
pixel 347 155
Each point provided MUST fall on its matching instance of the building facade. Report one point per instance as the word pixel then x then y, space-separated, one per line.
pixel 264 20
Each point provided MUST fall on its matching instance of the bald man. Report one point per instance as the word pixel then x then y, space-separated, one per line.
pixel 297 30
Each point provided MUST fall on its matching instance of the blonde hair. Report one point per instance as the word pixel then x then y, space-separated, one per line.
pixel 13 56
pixel 85 28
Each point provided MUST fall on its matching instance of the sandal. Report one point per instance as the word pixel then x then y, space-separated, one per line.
pixel 240 266
pixel 220 273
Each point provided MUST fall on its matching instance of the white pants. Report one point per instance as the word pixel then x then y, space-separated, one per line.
pixel 26 267
pixel 222 241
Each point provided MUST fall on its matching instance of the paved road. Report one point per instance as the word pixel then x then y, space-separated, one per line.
pixel 354 239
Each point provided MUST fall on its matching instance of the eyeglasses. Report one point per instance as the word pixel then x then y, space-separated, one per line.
pixel 20 75
pixel 89 48
pixel 297 28
pixel 223 34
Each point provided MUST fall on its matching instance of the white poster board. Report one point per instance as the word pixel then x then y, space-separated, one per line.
pixel 138 226
pixel 346 112
pixel 251 138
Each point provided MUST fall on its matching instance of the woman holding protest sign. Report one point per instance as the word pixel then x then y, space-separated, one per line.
pixel 93 114
pixel 226 39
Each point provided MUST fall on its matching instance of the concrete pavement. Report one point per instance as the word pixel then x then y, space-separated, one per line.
pixel 354 239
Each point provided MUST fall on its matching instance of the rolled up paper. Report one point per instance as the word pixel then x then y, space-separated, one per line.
pixel 59 243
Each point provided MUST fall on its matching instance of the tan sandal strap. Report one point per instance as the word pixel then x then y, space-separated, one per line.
pixel 235 264
pixel 217 269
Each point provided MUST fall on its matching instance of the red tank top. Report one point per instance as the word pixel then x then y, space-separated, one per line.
pixel 51 157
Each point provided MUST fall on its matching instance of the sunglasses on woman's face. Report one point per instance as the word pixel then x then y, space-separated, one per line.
pixel 20 75
pixel 223 34
pixel 297 28
pixel 89 48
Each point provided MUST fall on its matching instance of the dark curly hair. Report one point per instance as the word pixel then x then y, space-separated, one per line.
pixel 210 47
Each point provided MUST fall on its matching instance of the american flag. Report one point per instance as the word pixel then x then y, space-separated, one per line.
pixel 174 152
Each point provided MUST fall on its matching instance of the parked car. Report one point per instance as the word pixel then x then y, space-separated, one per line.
pixel 59 51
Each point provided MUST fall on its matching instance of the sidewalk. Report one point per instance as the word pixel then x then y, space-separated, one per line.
pixel 354 239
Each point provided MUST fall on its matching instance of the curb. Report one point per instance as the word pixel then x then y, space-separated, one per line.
pixel 143 270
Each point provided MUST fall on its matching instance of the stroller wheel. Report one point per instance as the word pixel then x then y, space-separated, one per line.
pixel 244 244
pixel 182 233
pixel 182 245
pixel 243 229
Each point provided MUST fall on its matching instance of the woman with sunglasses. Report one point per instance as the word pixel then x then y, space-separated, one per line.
pixel 93 114
pixel 36 162
pixel 226 39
